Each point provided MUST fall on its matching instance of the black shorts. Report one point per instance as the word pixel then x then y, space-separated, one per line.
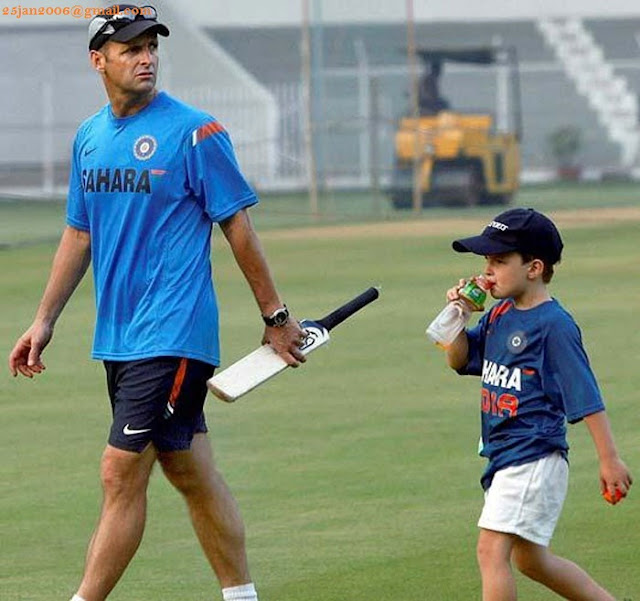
pixel 157 400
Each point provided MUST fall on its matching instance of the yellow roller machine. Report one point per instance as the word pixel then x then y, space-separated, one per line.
pixel 461 158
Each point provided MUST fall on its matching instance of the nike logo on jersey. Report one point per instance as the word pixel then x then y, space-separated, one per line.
pixel 127 431
pixel 88 151
pixel 500 375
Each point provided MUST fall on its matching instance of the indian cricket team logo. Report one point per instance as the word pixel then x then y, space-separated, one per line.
pixel 145 147
pixel 517 342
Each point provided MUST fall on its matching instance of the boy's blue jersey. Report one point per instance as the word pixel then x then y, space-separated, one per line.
pixel 148 188
pixel 535 376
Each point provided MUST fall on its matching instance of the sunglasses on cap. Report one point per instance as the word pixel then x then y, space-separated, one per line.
pixel 123 22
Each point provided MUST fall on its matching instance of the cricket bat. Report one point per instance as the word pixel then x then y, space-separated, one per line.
pixel 264 363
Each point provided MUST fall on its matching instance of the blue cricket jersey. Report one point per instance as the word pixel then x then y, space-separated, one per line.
pixel 535 377
pixel 148 188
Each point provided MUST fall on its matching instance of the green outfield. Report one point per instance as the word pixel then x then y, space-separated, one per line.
pixel 357 474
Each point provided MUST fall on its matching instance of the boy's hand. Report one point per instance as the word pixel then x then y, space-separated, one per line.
pixel 453 294
pixel 615 480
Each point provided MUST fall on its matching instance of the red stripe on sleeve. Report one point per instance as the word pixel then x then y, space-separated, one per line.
pixel 209 129
pixel 498 310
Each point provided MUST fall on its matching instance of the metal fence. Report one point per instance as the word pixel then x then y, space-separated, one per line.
pixel 353 124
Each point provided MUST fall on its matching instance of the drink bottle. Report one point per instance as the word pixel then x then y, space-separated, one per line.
pixel 444 329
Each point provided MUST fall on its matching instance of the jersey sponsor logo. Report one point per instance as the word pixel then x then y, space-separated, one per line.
pixel 500 375
pixel 517 342
pixel 505 405
pixel 145 147
pixel 88 151
pixel 116 180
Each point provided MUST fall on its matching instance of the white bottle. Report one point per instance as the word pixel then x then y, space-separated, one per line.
pixel 444 329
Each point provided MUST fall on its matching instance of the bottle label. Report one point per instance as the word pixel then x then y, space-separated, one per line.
pixel 474 294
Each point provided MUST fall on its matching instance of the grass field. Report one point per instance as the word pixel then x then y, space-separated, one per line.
pixel 24 222
pixel 357 474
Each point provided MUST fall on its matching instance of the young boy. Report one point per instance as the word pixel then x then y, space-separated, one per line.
pixel 535 377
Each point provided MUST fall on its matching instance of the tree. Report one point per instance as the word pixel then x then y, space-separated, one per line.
pixel 565 143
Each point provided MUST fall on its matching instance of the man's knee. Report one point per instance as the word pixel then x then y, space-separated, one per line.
pixel 125 472
pixel 193 471
pixel 180 478
pixel 181 470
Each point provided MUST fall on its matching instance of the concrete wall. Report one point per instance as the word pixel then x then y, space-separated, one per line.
pixel 49 89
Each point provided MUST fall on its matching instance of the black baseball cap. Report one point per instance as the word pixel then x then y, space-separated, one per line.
pixel 523 230
pixel 122 23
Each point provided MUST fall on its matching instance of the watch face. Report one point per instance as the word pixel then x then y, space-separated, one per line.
pixel 280 317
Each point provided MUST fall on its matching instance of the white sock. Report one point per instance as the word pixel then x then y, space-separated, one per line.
pixel 77 598
pixel 244 592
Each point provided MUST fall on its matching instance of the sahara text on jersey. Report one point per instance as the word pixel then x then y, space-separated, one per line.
pixel 116 180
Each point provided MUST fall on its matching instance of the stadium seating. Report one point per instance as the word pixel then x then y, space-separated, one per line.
pixel 51 89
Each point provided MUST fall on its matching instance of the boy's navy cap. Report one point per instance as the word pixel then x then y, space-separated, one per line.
pixel 122 23
pixel 522 230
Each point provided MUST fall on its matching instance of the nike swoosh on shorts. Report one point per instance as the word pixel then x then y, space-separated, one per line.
pixel 127 431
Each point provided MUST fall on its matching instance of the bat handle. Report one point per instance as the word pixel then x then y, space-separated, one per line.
pixel 348 309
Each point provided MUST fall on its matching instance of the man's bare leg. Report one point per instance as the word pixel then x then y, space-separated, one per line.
pixel 125 476
pixel 214 513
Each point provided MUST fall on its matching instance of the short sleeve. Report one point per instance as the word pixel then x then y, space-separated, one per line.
pixel 567 374
pixel 77 216
pixel 213 175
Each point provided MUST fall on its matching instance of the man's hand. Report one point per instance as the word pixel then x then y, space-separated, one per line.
pixel 69 265
pixel 25 356
pixel 286 341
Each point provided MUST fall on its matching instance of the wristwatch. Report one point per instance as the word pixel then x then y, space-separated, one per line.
pixel 278 318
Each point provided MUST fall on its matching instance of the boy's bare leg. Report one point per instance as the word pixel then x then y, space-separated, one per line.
pixel 214 513
pixel 125 476
pixel 560 575
pixel 494 559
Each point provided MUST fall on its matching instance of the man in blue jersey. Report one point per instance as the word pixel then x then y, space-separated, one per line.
pixel 535 377
pixel 149 177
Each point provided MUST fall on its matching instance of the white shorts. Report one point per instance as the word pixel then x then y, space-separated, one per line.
pixel 527 499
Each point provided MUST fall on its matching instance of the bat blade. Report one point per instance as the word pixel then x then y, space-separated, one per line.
pixel 261 365
pixel 264 363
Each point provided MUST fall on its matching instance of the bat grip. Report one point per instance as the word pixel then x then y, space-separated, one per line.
pixel 348 309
